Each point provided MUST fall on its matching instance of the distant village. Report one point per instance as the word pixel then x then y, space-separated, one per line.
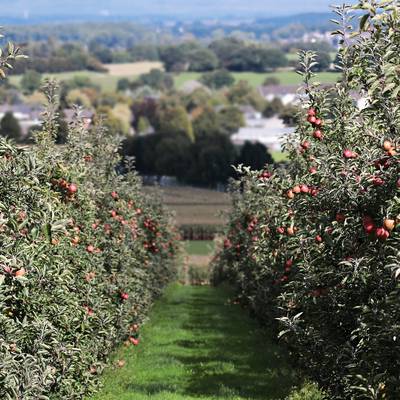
pixel 268 131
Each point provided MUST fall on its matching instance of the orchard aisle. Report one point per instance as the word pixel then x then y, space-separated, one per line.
pixel 198 345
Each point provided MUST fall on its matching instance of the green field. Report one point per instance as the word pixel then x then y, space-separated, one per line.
pixel 199 247
pixel 257 79
pixel 108 82
pixel 279 156
pixel 199 345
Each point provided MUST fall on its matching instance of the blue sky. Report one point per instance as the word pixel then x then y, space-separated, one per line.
pixel 162 7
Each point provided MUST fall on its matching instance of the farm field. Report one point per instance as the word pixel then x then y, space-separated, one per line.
pixel 199 345
pixel 199 247
pixel 132 69
pixel 108 81
pixel 256 79
pixel 193 205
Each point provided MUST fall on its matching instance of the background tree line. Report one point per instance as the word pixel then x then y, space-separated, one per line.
pixel 229 53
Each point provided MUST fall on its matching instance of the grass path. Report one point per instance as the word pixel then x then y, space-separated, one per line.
pixel 197 345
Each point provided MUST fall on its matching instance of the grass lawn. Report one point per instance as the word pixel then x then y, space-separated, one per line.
pixel 199 247
pixel 198 345
pixel 279 156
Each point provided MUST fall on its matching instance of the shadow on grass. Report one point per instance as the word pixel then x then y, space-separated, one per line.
pixel 225 352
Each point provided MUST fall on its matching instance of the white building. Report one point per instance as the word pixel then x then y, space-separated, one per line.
pixel 271 132
pixel 287 94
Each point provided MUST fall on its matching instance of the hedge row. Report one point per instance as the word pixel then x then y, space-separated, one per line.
pixel 313 250
pixel 199 232
pixel 83 254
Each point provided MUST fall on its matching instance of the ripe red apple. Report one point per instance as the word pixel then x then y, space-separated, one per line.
pixel 297 189
pixel 304 189
pixel 134 341
pixel 90 249
pixel 347 153
pixel 289 263
pixel 305 145
pixel 290 194
pixel 398 183
pixel 114 195
pixel 340 217
pixel 312 170
pixel 318 239
pixel 311 119
pixel 368 224
pixel 265 175
pixel 124 296
pixel 89 311
pixel 318 122
pixel 377 181
pixel 382 233
pixel 311 112
pixel 280 230
pixel 113 213
pixel 227 244
pixel 318 135
pixel 72 188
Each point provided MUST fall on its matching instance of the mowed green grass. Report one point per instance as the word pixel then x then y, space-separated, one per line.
pixel 199 247
pixel 199 345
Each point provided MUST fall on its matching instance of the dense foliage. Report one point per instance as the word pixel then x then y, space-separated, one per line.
pixel 316 245
pixel 83 254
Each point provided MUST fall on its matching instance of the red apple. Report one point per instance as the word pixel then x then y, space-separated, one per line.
pixel 318 135
pixel 377 181
pixel 311 119
pixel 368 224
pixel 347 153
pixel 72 188
pixel 340 217
pixel 134 341
pixel 304 189
pixel 305 145
pixel 382 233
pixel 124 296
pixel 311 112
pixel 289 263
pixel 90 249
